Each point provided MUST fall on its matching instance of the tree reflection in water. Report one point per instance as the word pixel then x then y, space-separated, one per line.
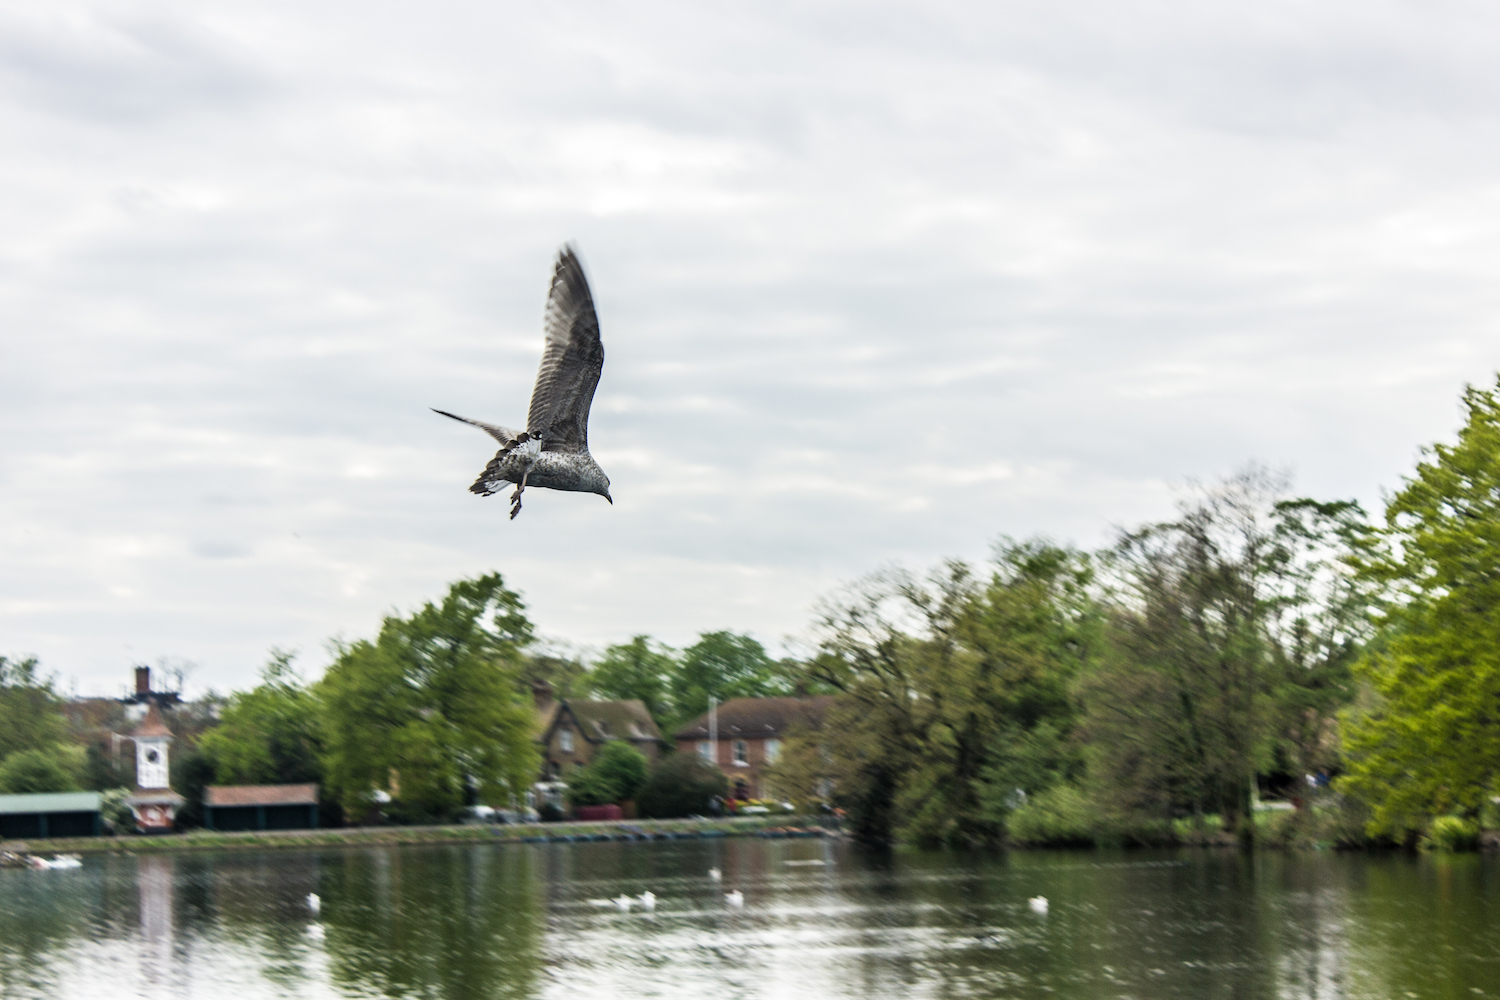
pixel 482 922
pixel 455 923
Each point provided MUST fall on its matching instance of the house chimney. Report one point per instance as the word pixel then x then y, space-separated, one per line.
pixel 541 693
pixel 142 680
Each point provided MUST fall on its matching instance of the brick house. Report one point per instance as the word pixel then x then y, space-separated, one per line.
pixel 750 731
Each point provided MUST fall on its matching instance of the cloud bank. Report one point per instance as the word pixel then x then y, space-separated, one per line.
pixel 878 283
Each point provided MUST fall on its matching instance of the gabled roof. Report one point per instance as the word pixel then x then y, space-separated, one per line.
pixel 597 721
pixel 545 715
pixel 260 795
pixel 152 726
pixel 49 802
pixel 763 717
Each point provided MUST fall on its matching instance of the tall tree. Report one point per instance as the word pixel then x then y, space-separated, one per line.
pixel 431 708
pixel 1225 623
pixel 640 669
pixel 724 665
pixel 31 715
pixel 269 734
pixel 954 691
pixel 1432 743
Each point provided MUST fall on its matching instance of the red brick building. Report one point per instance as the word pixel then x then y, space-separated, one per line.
pixel 750 733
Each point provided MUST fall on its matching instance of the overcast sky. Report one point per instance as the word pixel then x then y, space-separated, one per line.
pixel 878 283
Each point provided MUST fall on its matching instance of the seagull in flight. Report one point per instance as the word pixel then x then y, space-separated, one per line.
pixel 553 450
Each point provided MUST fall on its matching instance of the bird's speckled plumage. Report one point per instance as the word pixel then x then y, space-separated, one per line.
pixel 553 451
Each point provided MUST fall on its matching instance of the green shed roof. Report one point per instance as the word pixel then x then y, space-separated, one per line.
pixel 50 802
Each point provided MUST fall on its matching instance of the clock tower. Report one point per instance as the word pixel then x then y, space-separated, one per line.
pixel 153 802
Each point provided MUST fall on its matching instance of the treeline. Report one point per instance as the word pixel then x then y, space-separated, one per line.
pixel 1252 645
pixel 433 714
pixel 1256 645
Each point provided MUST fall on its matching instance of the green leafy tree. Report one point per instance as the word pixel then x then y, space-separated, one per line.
pixel 54 769
pixel 681 784
pixel 565 674
pixel 954 692
pixel 615 774
pixel 1230 632
pixel 640 669
pixel 1431 743
pixel 192 772
pixel 30 710
pixel 431 708
pixel 724 665
pixel 269 734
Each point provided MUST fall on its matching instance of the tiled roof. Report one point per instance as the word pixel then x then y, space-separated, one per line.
pixel 626 719
pixel 152 725
pixel 543 721
pixel 260 795
pixel 741 717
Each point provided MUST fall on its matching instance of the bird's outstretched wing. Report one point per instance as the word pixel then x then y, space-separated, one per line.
pixel 572 359
pixel 504 435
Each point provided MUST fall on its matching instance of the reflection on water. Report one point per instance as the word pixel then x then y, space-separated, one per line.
pixel 819 920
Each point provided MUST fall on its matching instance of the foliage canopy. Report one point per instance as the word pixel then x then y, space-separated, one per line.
pixel 1432 743
pixel 431 708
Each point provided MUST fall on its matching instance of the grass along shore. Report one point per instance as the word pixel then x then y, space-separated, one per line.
pixel 364 836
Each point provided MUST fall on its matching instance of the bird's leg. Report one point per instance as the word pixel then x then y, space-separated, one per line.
pixel 515 498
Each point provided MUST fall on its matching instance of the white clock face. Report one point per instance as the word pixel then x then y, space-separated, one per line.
pixel 152 756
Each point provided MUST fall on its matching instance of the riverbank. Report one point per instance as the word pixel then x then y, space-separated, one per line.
pixel 365 836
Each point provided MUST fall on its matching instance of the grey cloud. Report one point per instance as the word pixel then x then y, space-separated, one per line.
pixel 877 284
pixel 130 70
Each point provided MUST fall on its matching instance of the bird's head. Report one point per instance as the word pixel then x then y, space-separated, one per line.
pixel 598 482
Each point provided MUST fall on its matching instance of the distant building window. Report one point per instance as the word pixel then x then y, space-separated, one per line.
pixel 773 750
pixel 565 740
pixel 706 750
pixel 741 753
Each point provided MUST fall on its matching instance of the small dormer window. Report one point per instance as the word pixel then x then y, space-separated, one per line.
pixel 565 740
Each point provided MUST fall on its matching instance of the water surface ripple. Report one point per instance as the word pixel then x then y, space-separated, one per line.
pixel 819 919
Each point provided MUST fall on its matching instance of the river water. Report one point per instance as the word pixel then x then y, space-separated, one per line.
pixel 820 919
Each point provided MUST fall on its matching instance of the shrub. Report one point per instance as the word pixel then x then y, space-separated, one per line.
pixel 1059 817
pixel 1451 833
pixel 681 785
pixel 27 772
pixel 615 774
pixel 117 815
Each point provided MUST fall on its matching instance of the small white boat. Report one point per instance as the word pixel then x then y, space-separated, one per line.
pixel 60 861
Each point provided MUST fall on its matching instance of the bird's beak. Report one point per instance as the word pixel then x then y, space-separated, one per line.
pixel 610 499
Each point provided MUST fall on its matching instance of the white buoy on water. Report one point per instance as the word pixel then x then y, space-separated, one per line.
pixel 1038 904
pixel 735 898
